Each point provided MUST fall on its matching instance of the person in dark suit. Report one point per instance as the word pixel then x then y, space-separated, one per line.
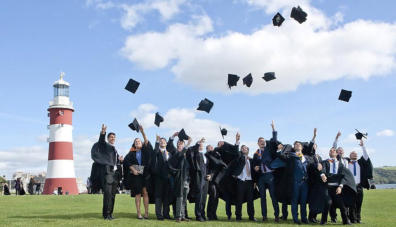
pixel 339 179
pixel 262 160
pixel 298 167
pixel 162 179
pixel 362 171
pixel 223 179
pixel 137 163
pixel 105 157
pixel 243 171
pixel 199 179
pixel 179 169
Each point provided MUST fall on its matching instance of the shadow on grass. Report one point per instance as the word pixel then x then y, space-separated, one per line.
pixel 152 217
pixel 76 216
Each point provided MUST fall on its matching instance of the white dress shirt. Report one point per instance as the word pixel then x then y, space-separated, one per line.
pixel 351 166
pixel 243 176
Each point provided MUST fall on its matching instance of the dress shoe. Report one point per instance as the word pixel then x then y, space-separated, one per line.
pixel 111 217
pixel 277 219
pixel 160 219
pixel 238 219
pixel 305 221
pixel 178 219
pixel 200 219
pixel 185 219
pixel 334 220
pixel 347 222
pixel 265 219
pixel 284 218
pixel 313 220
pixel 252 219
pixel 297 222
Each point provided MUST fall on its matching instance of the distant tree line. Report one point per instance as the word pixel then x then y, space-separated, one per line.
pixel 385 175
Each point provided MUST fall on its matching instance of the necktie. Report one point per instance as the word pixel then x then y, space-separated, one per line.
pixel 247 167
pixel 334 167
pixel 354 168
pixel 164 155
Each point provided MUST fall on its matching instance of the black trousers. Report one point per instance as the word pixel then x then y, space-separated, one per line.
pixel 355 211
pixel 337 201
pixel 244 190
pixel 109 191
pixel 162 196
pixel 213 201
pixel 200 200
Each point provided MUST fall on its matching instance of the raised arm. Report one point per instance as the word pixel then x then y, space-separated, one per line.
pixel 143 134
pixel 314 135
pixel 336 140
pixel 365 154
pixel 170 146
pixel 102 134
pixel 274 132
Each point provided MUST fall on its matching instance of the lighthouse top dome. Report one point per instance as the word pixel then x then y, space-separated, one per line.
pixel 61 81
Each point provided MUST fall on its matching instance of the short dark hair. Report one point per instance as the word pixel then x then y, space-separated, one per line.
pixel 111 133
pixel 260 139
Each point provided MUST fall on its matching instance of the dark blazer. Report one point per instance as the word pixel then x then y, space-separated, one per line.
pixel 160 167
pixel 239 164
pixel 269 153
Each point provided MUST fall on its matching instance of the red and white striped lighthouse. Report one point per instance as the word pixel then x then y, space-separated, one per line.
pixel 60 170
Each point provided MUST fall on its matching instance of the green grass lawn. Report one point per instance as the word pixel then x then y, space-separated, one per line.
pixel 379 209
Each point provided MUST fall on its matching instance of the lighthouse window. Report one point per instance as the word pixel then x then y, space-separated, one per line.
pixel 61 90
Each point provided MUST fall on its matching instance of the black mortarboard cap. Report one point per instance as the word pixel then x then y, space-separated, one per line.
pixel 298 14
pixel 345 95
pixel 269 76
pixel 223 132
pixel 158 119
pixel 182 135
pixel 205 105
pixel 132 85
pixel 134 125
pixel 360 135
pixel 278 20
pixel 232 80
pixel 248 80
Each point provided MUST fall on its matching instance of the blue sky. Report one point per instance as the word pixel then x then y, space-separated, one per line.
pixel 181 52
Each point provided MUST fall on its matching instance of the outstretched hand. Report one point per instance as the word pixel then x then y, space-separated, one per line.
pixel 361 143
pixel 338 135
pixel 237 137
pixel 273 125
pixel 104 128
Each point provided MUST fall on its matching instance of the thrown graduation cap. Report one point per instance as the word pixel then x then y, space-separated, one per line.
pixel 182 135
pixel 298 14
pixel 134 125
pixel 278 20
pixel 232 80
pixel 345 95
pixel 248 80
pixel 360 135
pixel 223 132
pixel 158 119
pixel 205 105
pixel 269 76
pixel 132 85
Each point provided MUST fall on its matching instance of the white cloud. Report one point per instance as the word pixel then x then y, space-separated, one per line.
pixel 133 14
pixel 386 132
pixel 318 50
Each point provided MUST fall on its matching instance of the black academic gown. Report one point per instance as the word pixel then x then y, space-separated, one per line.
pixel 179 169
pixel 228 183
pixel 346 179
pixel 197 171
pixel 143 180
pixel 284 176
pixel 102 153
pixel 317 188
